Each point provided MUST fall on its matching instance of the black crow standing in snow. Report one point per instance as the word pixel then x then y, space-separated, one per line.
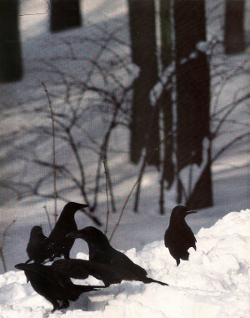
pixel 101 251
pixel 37 248
pixel 65 224
pixel 51 284
pixel 81 269
pixel 179 237
pixel 41 248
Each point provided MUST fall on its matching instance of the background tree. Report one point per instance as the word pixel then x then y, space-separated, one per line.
pixel 144 119
pixel 234 27
pixel 193 94
pixel 166 98
pixel 64 14
pixel 10 47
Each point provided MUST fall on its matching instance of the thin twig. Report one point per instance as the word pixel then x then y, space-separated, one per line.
pixel 54 150
pixel 161 200
pixel 107 193
pixel 228 145
pixel 80 164
pixel 3 260
pixel 137 181
pixel 190 178
pixel 48 217
pixel 2 245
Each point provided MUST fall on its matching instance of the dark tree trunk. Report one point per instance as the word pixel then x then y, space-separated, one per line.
pixel 10 47
pixel 192 84
pixel 166 100
pixel 168 165
pixel 166 32
pixel 144 121
pixel 234 27
pixel 65 14
pixel 192 109
pixel 202 195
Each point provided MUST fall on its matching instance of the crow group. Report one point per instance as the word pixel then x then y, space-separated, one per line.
pixel 105 263
pixel 100 251
pixel 41 248
pixel 51 284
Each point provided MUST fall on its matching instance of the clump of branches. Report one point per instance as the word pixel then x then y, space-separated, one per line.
pixel 86 112
pixel 93 104
pixel 53 154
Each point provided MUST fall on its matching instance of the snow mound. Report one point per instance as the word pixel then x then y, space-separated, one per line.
pixel 213 283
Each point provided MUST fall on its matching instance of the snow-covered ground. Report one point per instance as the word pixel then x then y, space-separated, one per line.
pixel 214 283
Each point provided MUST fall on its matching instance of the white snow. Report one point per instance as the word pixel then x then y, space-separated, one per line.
pixel 214 283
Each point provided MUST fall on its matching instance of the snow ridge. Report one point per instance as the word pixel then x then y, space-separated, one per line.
pixel 214 283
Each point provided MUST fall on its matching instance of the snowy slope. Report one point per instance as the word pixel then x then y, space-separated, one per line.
pixel 215 283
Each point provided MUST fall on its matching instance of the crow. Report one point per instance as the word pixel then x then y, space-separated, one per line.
pixel 101 251
pixel 61 245
pixel 40 248
pixel 81 269
pixel 179 237
pixel 51 284
pixel 37 248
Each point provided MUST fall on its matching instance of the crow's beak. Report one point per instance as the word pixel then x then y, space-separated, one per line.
pixel 191 211
pixel 75 234
pixel 20 266
pixel 83 206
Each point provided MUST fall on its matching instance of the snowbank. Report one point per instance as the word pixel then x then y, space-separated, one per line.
pixel 214 283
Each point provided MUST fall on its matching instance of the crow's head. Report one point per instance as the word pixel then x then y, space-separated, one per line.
pixel 180 212
pixel 91 235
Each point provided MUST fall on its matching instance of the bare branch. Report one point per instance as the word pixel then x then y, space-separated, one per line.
pixel 53 150
pixel 145 164
pixel 107 194
pixel 48 217
pixel 2 245
pixel 228 145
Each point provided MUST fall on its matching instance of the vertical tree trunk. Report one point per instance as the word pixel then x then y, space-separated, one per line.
pixel 166 32
pixel 65 14
pixel 166 100
pixel 144 121
pixel 192 84
pixel 10 47
pixel 234 40
pixel 202 195
pixel 168 165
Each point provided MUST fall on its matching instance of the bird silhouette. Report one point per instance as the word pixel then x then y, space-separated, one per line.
pixel 51 284
pixel 179 237
pixel 65 224
pixel 41 248
pixel 101 251
pixel 37 248
pixel 81 269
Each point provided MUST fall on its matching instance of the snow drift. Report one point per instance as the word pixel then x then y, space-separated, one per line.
pixel 214 283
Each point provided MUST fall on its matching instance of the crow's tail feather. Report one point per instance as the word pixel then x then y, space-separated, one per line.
pixel 149 280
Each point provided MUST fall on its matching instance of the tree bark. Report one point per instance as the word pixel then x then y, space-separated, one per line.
pixel 234 40
pixel 166 99
pixel 65 14
pixel 11 68
pixel 202 195
pixel 144 119
pixel 193 87
pixel 166 32
pixel 192 81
